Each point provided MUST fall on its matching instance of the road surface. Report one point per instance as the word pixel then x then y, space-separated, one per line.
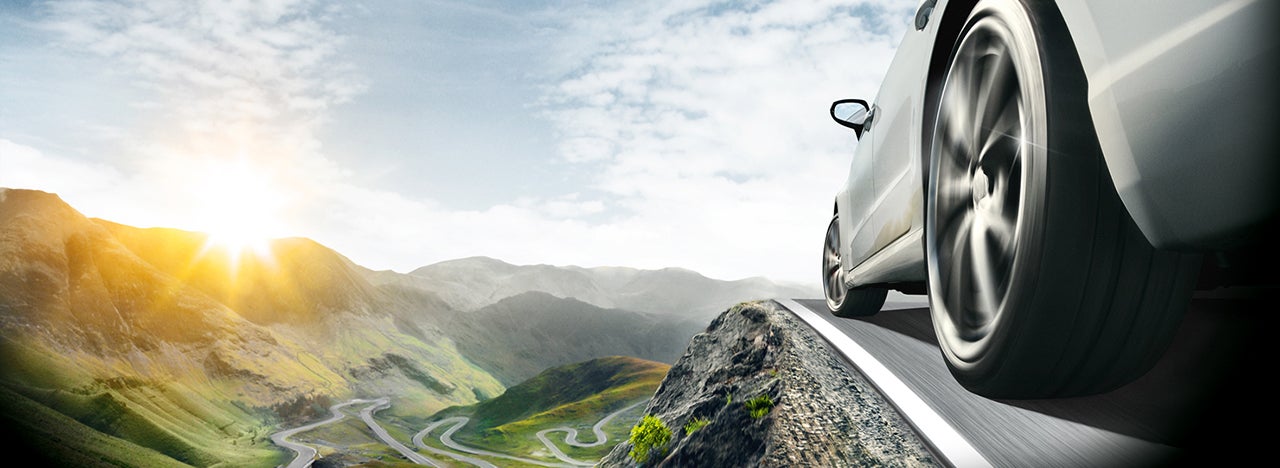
pixel 367 415
pixel 459 422
pixel 1140 424
pixel 306 454
pixel 571 436
pixel 456 423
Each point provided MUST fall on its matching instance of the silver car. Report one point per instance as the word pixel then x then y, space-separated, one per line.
pixel 1052 175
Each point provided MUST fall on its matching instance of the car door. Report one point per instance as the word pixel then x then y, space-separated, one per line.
pixel 896 170
pixel 856 201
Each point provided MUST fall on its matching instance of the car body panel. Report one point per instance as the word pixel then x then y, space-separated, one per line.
pixel 1180 94
pixel 854 203
pixel 897 172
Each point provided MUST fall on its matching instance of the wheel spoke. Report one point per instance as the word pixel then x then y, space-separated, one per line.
pixel 956 127
pixel 1002 229
pixel 1008 119
pixel 984 273
pixel 957 252
pixel 1000 141
pixel 955 156
pixel 957 283
pixel 1003 222
pixel 954 214
pixel 953 193
pixel 958 86
pixel 993 92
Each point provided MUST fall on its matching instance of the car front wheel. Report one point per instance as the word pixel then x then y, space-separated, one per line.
pixel 1040 284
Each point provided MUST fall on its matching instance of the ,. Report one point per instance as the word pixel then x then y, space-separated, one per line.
pixel 1055 176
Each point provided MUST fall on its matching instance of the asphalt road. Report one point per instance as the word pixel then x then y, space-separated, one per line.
pixel 571 436
pixel 1189 403
pixel 307 454
pixel 367 415
pixel 456 423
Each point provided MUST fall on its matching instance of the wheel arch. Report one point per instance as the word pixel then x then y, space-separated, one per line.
pixel 950 23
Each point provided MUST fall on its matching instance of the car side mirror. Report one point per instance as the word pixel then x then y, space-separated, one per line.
pixel 852 113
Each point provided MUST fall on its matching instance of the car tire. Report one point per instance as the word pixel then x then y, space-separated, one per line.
pixel 843 301
pixel 1040 283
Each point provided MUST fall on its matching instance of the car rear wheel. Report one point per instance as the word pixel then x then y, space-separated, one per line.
pixel 841 300
pixel 1040 284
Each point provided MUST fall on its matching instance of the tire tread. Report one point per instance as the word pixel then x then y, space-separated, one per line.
pixel 862 302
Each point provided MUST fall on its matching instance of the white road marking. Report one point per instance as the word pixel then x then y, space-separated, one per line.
pixel 947 443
